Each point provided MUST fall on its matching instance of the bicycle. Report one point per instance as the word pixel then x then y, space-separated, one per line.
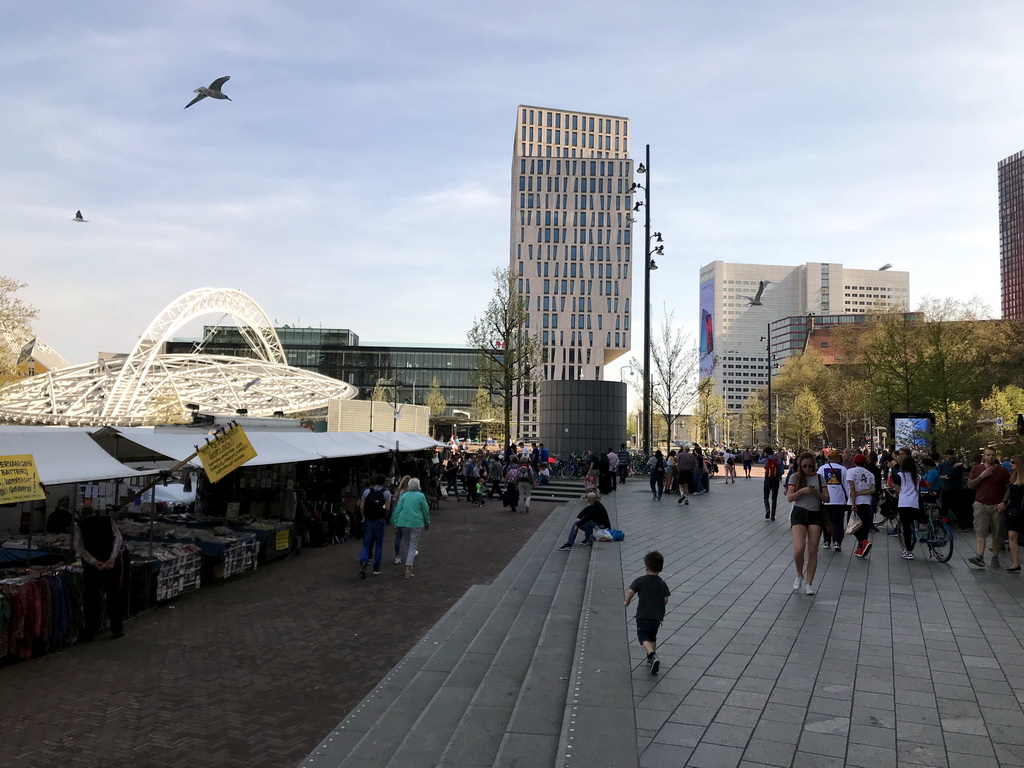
pixel 939 535
pixel 638 465
pixel 573 469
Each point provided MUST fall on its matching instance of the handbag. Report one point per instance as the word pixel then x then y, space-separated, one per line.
pixel 854 524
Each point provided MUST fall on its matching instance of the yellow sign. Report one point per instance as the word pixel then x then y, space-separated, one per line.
pixel 281 540
pixel 225 453
pixel 19 480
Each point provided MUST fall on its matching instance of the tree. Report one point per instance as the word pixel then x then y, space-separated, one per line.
pixel 755 412
pixel 802 422
pixel 508 354
pixel 435 400
pixel 675 363
pixel 709 407
pixel 15 325
pixel 383 392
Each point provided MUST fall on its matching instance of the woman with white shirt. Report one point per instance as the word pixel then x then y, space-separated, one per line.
pixel 909 505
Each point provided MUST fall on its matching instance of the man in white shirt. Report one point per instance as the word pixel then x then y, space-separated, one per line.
pixel 860 485
pixel 833 477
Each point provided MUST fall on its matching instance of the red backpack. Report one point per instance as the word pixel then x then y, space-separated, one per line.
pixel 771 467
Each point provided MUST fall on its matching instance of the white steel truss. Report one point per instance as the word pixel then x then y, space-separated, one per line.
pixel 149 386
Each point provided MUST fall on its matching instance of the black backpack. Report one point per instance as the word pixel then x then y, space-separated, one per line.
pixel 659 468
pixel 374 505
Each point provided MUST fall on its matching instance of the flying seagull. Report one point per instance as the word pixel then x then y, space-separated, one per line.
pixel 78 218
pixel 755 300
pixel 213 91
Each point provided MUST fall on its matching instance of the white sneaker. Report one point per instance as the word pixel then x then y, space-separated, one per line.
pixel 809 589
pixel 797 583
pixel 398 561
pixel 826 545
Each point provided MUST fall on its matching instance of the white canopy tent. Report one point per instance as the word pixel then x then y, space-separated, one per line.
pixel 64 456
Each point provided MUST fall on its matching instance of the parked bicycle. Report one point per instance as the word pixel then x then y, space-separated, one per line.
pixel 937 534
pixel 573 469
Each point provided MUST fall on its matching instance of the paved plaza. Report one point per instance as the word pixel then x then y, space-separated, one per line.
pixel 892 663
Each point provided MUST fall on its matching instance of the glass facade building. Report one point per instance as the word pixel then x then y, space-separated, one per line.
pixel 570 243
pixel 336 353
pixel 1011 235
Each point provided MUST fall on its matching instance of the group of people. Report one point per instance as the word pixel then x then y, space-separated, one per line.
pixel 683 473
pixel 407 510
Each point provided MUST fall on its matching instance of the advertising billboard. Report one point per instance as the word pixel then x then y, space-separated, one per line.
pixel 707 329
pixel 912 430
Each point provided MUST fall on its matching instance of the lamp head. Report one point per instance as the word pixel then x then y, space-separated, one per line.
pixel 641 168
pixel 637 206
pixel 659 251
pixel 652 266
pixel 657 237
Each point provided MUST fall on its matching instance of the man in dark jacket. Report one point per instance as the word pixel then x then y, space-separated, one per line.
pixel 593 516
pixel 98 543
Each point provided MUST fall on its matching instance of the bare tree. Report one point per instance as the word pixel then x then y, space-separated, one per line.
pixel 508 354
pixel 675 364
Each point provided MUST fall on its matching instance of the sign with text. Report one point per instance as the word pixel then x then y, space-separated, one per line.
pixel 19 480
pixel 225 453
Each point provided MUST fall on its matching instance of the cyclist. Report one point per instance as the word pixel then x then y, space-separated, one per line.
pixel 909 505
pixel 807 520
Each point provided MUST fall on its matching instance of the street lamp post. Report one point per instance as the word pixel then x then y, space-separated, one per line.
pixel 771 366
pixel 649 265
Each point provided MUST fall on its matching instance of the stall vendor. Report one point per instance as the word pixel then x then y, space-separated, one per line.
pixel 60 520
pixel 98 543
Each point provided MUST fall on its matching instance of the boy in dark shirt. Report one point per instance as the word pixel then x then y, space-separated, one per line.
pixel 650 609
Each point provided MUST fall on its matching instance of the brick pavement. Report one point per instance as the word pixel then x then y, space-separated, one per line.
pixel 892 663
pixel 254 671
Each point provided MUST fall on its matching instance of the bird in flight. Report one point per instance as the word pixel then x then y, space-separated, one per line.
pixel 213 91
pixel 755 300
pixel 78 218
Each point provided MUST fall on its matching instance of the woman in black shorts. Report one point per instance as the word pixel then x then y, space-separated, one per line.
pixel 1014 501
pixel 805 490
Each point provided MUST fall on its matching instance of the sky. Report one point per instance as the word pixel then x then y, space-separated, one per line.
pixel 360 176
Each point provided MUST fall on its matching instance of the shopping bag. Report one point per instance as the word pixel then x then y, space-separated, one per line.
pixel 854 525
pixel 617 535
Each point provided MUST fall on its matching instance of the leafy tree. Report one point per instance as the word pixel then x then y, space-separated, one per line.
pixel 675 363
pixel 754 412
pixel 802 421
pixel 435 400
pixel 383 392
pixel 709 407
pixel 15 325
pixel 508 354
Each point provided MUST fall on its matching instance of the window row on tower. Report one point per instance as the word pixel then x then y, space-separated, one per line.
pixel 542 166
pixel 554 119
pixel 571 253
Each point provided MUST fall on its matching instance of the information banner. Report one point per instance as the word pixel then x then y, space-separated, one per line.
pixel 19 480
pixel 281 540
pixel 225 453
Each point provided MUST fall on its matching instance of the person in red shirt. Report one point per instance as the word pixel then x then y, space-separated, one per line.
pixel 989 480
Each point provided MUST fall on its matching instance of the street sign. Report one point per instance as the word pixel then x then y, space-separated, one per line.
pixel 999 421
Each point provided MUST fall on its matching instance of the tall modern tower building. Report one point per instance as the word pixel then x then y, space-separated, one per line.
pixel 571 242
pixel 734 331
pixel 1011 235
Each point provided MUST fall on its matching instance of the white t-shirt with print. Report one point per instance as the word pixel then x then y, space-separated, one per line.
pixel 862 479
pixel 833 477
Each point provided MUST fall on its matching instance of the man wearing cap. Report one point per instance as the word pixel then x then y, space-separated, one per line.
pixel 860 483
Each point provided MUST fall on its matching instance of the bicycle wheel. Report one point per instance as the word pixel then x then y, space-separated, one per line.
pixel 940 540
pixel 568 472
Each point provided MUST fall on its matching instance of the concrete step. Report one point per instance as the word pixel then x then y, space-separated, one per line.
pixel 374 731
pixel 520 610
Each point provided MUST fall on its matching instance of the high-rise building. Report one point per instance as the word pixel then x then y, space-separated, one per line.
pixel 734 328
pixel 570 243
pixel 1011 235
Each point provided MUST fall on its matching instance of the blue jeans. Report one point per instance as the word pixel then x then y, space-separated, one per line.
pixel 587 528
pixel 373 538
pixel 657 486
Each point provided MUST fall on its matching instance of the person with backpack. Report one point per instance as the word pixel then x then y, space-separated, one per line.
pixel 525 479
pixel 375 504
pixel 730 465
pixel 833 476
pixel 512 486
pixel 773 467
pixel 656 465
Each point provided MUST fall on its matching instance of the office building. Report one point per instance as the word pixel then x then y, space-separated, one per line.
pixel 571 243
pixel 338 354
pixel 1011 235
pixel 734 329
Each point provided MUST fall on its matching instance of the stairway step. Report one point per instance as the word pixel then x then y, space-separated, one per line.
pixel 375 730
pixel 525 602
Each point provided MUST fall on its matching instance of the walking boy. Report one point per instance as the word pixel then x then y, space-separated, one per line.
pixel 650 609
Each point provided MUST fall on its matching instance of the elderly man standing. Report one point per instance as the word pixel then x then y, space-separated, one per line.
pixel 613 467
pixel 989 480
pixel 593 516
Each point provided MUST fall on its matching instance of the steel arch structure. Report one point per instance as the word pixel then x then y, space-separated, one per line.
pixel 148 386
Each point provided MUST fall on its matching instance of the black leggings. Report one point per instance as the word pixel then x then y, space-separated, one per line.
pixel 908 519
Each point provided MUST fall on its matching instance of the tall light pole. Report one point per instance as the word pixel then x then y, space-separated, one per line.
pixel 649 265
pixel 771 366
